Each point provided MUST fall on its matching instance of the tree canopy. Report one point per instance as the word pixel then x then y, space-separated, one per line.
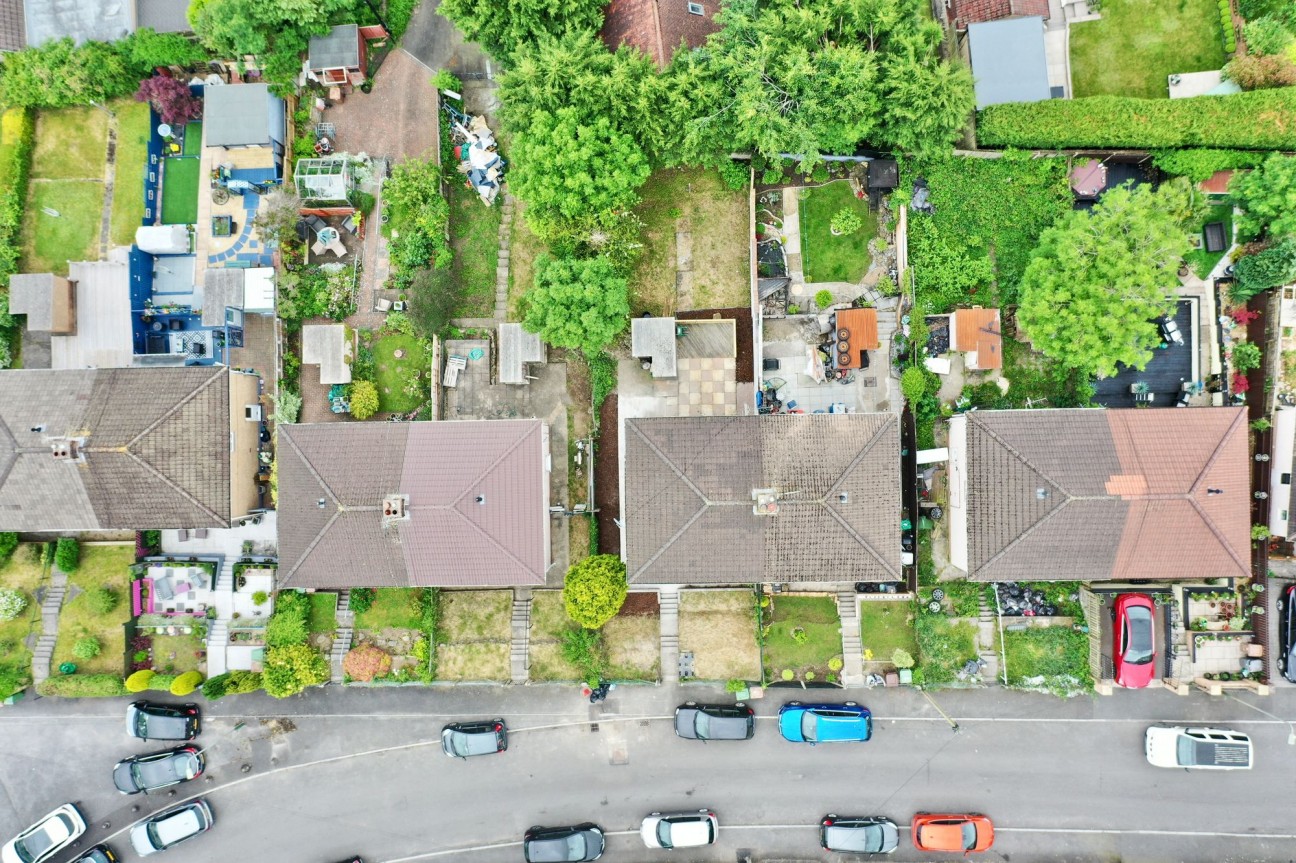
pixel 503 26
pixel 595 589
pixel 276 32
pixel 576 303
pixel 1267 196
pixel 1098 279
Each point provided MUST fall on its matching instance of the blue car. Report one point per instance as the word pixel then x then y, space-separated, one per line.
pixel 825 723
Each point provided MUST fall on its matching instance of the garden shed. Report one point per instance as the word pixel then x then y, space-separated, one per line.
pixel 1008 61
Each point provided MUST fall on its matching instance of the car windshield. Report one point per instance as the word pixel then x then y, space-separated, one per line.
pixel 141 723
pixel 1187 751
pixel 1138 648
pixel 664 833
pixel 809 725
pixel 702 724
pixel 969 835
pixel 33 846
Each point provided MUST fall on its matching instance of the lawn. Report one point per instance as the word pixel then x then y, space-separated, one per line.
pixel 101 566
pixel 695 201
pixel 392 609
pixel 474 236
pixel 826 258
pixel 817 616
pixel 71 144
pixel 192 138
pixel 23 573
pixel 719 627
pixel 129 168
pixel 885 627
pixel 394 373
pixel 323 613
pixel 524 248
pixel 1054 657
pixel 473 661
pixel 176 654
pixel 1202 261
pixel 943 646
pixel 49 242
pixel 1139 43
pixel 632 645
pixel 180 190
pixel 548 621
pixel 475 615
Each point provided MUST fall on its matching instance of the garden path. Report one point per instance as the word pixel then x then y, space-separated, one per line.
pixel 668 604
pixel 50 605
pixel 852 644
pixel 519 650
pixel 105 216
pixel 342 636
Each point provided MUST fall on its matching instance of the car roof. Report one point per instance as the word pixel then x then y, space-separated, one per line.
pixel 178 825
pixel 942 834
pixel 855 835
pixel 696 831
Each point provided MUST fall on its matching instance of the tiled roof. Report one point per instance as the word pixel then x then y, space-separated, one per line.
pixel 337 49
pixel 966 12
pixel 977 329
pixel 13 29
pixel 334 478
pixel 1217 183
pixel 658 27
pixel 688 508
pixel 1093 495
pixel 162 16
pixel 155 444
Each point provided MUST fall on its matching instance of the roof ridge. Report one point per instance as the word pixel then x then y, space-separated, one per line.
pixel 630 424
pixel 1244 565
pixel 337 509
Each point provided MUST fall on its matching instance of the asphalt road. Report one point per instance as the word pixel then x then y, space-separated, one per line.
pixel 345 772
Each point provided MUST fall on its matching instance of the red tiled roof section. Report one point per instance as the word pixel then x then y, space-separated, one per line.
pixel 977 329
pixel 973 11
pixel 658 27
pixel 863 326
pixel 1217 183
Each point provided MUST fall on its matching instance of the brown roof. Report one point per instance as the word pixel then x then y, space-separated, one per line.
pixel 658 27
pixel 977 329
pixel 863 326
pixel 13 27
pixel 965 12
pixel 154 448
pixel 687 502
pixel 334 478
pixel 1093 495
pixel 1217 183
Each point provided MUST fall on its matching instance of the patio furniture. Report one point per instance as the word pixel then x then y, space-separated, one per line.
pixel 349 223
pixel 1214 237
pixel 176 324
pixel 316 223
pixel 327 234
pixel 382 305
pixel 318 248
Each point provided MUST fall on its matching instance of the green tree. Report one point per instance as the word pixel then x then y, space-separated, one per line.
pixel 1266 36
pixel 595 589
pixel 913 383
pixel 146 49
pixel 276 32
pixel 1099 278
pixel 576 303
pixel 502 27
pixel 1268 268
pixel 926 101
pixel 292 668
pixel 1246 356
pixel 364 399
pixel 1267 196
pixel 61 73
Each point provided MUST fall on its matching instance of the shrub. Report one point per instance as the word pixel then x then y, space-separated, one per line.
pixel 444 79
pixel 846 221
pixel 364 399
pixel 362 599
pixel 595 589
pixel 140 656
pixel 82 686
pixel 735 685
pixel 161 682
pixel 902 658
pixel 13 680
pixel 260 597
pixel 734 175
pixel 799 635
pixel 139 680
pixel 367 661
pixel 583 648
pixel 102 600
pixel 12 604
pixel 887 287
pixel 290 622
pixel 152 540
pixel 819 174
pixel 1200 163
pixel 1246 356
pixel 8 544
pixel 186 683
pixel 1260 120
pixel 291 668
pixel 823 299
pixel 171 98
pixel 835 664
pixel 1261 72
pixel 67 554
pixel 87 648
pixel 913 383
pixel 231 683
pixel 788 674
pixel 288 404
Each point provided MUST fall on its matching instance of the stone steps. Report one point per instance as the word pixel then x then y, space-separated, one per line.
pixel 989 629
pixel 520 648
pixel 668 605
pixel 341 644
pixel 852 673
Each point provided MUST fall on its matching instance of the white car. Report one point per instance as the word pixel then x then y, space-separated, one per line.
pixel 1198 748
pixel 169 828
pixel 46 837
pixel 680 829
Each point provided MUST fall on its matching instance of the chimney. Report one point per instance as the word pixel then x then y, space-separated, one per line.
pixel 766 501
pixel 65 449
pixel 394 507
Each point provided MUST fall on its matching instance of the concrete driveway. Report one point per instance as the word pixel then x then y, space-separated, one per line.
pixel 438 44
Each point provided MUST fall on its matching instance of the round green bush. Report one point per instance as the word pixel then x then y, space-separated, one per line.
pixel 788 674
pixel 362 599
pixel 846 221
pixel 595 589
pixel 835 664
pixel 913 384
pixel 260 597
pixel 67 554
pixel 102 600
pixel 823 299
pixel 186 683
pixel 87 648
pixel 139 681
pixel 12 604
pixel 799 635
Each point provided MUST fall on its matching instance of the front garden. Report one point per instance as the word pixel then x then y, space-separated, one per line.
pixel 395 630
pixel 801 638
pixel 945 645
pixel 550 628
pixel 829 252
pixel 21 576
pixel 1137 44
pixel 475 634
pixel 91 630
pixel 1051 658
pixel 717 627
pixel 886 627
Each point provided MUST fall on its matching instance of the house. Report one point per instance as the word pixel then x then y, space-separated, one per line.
pixel 337 57
pixel 41 21
pixel 327 346
pixel 414 504
pixel 1099 495
pixel 775 498
pixel 1008 61
pixel 127 449
pixel 977 333
pixel 658 27
pixel 517 349
pixel 966 12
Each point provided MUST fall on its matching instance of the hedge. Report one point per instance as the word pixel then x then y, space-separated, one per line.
pixel 162 682
pixel 82 686
pixel 17 130
pixel 186 683
pixel 67 555
pixel 1259 120
pixel 1199 165
pixel 139 680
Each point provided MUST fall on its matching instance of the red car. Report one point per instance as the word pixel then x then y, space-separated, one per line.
pixel 948 832
pixel 1134 650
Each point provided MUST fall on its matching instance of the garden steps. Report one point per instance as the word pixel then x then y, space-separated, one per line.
pixel 988 626
pixel 341 644
pixel 217 641
pixel 668 605
pixel 345 616
pixel 852 673
pixel 51 602
pixel 519 651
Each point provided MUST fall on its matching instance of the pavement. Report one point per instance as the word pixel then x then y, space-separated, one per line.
pixel 438 44
pixel 359 771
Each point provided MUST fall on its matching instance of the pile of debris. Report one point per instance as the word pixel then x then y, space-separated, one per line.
pixel 479 159
pixel 1016 600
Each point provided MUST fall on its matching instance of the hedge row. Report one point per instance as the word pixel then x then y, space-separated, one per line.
pixel 82 686
pixel 17 130
pixel 1259 120
pixel 1226 21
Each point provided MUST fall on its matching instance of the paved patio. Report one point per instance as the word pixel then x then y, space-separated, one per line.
pixel 398 120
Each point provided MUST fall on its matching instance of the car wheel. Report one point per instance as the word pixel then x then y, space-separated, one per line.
pixel 1279 604
pixel 740 704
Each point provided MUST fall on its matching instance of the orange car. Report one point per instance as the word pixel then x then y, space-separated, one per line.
pixel 946 832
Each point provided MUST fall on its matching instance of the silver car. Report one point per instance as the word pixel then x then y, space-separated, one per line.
pixel 169 828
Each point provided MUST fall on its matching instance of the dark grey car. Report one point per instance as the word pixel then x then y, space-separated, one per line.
pixel 466 739
pixel 150 720
pixel 695 721
pixel 1287 632
pixel 859 835
pixel 145 773
pixel 577 844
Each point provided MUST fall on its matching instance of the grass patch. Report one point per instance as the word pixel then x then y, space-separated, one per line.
pixel 180 191
pixel 1052 657
pixel 101 566
pixel 1202 261
pixel 826 258
pixel 524 248
pixel 817 615
pixel 476 661
pixel 395 373
pixel 475 615
pixel 632 644
pixel 548 621
pixel 8 145
pixel 719 627
pixel 49 242
pixel 474 237
pixel 71 144
pixel 393 608
pixel 25 574
pixel 1035 379
pixel 885 627
pixel 943 646
pixel 323 613
pixel 696 201
pixel 962 598
pixel 129 168
pixel 192 138
pixel 174 654
pixel 1138 43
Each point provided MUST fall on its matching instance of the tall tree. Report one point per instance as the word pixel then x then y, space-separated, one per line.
pixel 503 26
pixel 276 32
pixel 576 303
pixel 1098 279
pixel 926 102
pixel 1267 196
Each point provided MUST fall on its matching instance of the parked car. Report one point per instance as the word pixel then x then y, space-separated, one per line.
pixel 680 829
pixel 952 832
pixel 715 721
pixel 577 844
pixel 466 739
pixel 145 773
pixel 150 720
pixel 170 827
pixel 98 854
pixel 46 837
pixel 866 835
pixel 825 723
pixel 1287 633
pixel 1170 332
pixel 1198 748
pixel 1134 651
